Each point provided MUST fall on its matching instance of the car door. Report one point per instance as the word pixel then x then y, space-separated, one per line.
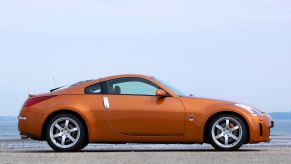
pixel 132 108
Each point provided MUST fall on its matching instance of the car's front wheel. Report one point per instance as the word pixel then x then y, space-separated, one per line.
pixel 65 132
pixel 227 132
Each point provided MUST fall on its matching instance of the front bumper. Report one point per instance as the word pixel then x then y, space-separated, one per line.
pixel 261 129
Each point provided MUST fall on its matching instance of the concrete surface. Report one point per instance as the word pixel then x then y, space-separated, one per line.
pixel 29 151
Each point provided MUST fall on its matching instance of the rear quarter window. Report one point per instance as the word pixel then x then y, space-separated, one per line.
pixel 93 89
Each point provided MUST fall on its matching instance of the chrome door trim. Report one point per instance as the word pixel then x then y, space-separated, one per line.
pixel 106 103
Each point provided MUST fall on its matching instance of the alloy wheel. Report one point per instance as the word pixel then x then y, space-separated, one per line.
pixel 226 132
pixel 64 132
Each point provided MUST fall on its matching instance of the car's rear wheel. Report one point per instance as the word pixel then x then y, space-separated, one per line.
pixel 227 132
pixel 65 132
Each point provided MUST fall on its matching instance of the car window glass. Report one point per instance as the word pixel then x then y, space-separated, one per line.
pixel 93 89
pixel 131 86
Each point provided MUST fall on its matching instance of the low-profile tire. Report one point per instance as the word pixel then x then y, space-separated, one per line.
pixel 65 133
pixel 227 132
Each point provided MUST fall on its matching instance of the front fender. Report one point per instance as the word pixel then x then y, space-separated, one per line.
pixel 204 109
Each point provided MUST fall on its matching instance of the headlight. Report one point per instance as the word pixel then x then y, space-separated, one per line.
pixel 252 110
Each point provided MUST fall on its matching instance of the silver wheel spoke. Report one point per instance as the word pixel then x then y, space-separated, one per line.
pixel 226 139
pixel 67 124
pixel 233 136
pixel 71 138
pixel 57 135
pixel 58 126
pixel 234 128
pixel 73 130
pixel 63 140
pixel 219 136
pixel 219 127
pixel 227 123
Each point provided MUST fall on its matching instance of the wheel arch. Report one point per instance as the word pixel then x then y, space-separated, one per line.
pixel 64 111
pixel 206 125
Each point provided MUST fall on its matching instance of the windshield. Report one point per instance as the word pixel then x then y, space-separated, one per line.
pixel 173 89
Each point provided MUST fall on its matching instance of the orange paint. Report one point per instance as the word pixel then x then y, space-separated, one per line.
pixel 137 118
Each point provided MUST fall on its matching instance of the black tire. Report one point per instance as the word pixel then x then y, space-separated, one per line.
pixel 86 144
pixel 56 143
pixel 240 134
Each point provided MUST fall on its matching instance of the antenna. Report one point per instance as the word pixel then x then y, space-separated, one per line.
pixel 54 82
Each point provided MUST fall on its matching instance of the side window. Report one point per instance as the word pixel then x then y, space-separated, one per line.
pixel 93 89
pixel 131 86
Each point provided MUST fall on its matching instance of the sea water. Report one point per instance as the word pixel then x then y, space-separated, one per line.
pixel 8 128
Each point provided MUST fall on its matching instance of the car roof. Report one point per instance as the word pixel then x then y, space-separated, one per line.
pixel 79 89
pixel 124 76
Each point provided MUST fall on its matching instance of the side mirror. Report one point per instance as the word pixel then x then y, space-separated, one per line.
pixel 161 93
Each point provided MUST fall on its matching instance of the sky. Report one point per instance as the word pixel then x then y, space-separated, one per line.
pixel 231 50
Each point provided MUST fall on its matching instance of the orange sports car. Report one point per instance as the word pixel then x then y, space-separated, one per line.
pixel 137 109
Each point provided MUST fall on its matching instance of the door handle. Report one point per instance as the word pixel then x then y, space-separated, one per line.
pixel 106 103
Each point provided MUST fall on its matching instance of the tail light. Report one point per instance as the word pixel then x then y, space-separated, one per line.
pixel 34 100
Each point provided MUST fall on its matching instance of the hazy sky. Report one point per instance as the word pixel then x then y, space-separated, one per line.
pixel 238 50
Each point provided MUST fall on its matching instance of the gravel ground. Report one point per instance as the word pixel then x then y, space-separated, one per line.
pixel 29 151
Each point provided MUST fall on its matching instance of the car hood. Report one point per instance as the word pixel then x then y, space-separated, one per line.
pixel 206 104
pixel 197 103
pixel 208 100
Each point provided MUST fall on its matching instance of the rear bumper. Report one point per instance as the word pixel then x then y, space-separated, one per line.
pixel 30 124
pixel 23 136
